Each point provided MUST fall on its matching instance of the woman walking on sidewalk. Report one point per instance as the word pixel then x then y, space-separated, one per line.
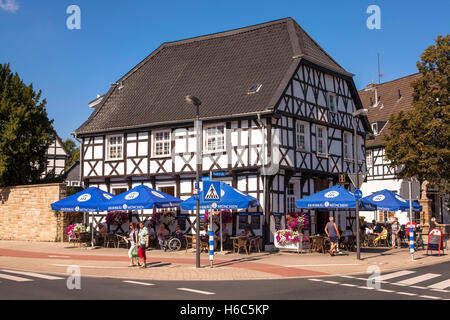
pixel 332 233
pixel 132 238
pixel 143 244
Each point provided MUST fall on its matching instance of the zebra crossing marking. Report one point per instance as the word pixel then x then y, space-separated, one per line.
pixel 14 278
pixel 395 275
pixel 34 275
pixel 441 285
pixel 414 280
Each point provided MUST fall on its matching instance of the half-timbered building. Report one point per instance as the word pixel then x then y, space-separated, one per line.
pixel 276 116
pixel 56 157
pixel 382 101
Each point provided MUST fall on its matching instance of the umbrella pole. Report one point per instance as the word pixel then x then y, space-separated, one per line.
pixel 221 230
pixel 92 231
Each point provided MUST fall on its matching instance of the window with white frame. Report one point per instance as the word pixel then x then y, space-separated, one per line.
pixel 321 138
pixel 331 103
pixel 347 145
pixel 290 198
pixel 302 134
pixel 215 138
pixel 369 158
pixel 115 148
pixel 161 143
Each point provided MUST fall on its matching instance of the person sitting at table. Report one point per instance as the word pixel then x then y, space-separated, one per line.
pixel 179 233
pixel 102 230
pixel 249 230
pixel 382 235
pixel 225 233
pixel 162 235
pixel 244 233
pixel 369 229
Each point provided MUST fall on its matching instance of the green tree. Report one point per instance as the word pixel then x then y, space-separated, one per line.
pixel 418 142
pixel 25 131
pixel 73 150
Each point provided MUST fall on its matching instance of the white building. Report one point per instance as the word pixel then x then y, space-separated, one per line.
pixel 276 113
pixel 382 101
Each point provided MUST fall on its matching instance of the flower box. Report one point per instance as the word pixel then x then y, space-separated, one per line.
pixel 289 244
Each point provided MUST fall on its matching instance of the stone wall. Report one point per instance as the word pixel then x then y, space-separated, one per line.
pixel 25 213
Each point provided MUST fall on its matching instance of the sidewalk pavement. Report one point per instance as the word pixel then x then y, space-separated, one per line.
pixel 56 257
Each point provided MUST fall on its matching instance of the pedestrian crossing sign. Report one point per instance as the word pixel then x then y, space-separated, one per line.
pixel 211 191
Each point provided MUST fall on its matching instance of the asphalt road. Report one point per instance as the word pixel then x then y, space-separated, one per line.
pixel 424 283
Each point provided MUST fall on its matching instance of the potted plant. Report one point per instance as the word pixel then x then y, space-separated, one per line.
pixel 292 236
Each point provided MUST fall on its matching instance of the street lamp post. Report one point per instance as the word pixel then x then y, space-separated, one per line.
pixel 196 102
pixel 356 171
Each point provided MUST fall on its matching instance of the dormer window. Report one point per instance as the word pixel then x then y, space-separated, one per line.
pixel 399 94
pixel 374 128
pixel 371 101
pixel 254 89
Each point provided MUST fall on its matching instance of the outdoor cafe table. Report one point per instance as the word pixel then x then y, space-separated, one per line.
pixel 317 243
pixel 249 243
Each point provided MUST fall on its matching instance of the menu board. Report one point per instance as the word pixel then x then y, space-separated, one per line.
pixel 255 221
pixel 435 241
pixel 277 218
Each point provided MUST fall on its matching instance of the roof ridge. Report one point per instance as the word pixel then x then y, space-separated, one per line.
pixel 393 80
pixel 215 35
pixel 229 32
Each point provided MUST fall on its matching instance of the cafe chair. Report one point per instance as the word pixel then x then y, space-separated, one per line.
pixel 121 240
pixel 254 243
pixel 241 243
pixel 108 239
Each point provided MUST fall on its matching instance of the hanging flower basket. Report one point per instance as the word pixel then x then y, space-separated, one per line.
pixel 227 216
pixel 167 217
pixel 116 218
pixel 297 221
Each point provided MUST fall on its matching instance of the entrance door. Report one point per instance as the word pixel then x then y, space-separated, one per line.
pixel 322 219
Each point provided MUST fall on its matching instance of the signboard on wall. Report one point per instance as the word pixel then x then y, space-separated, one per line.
pixel 415 190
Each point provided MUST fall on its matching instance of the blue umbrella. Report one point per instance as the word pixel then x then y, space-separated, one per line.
pixel 140 198
pixel 231 198
pixel 386 200
pixel 89 200
pixel 335 197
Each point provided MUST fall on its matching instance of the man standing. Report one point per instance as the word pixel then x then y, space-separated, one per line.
pixel 333 233
pixel 395 229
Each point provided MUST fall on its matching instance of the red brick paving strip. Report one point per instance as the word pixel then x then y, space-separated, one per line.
pixel 255 266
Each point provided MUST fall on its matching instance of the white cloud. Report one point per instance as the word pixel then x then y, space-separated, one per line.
pixel 9 5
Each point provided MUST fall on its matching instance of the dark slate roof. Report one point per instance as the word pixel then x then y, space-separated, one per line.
pixel 388 104
pixel 73 173
pixel 218 68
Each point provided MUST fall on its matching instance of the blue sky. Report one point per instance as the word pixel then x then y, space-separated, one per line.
pixel 72 66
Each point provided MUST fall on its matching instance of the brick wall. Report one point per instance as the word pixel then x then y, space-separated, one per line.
pixel 25 213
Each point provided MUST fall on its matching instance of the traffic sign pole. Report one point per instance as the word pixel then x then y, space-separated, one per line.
pixel 411 230
pixel 211 233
